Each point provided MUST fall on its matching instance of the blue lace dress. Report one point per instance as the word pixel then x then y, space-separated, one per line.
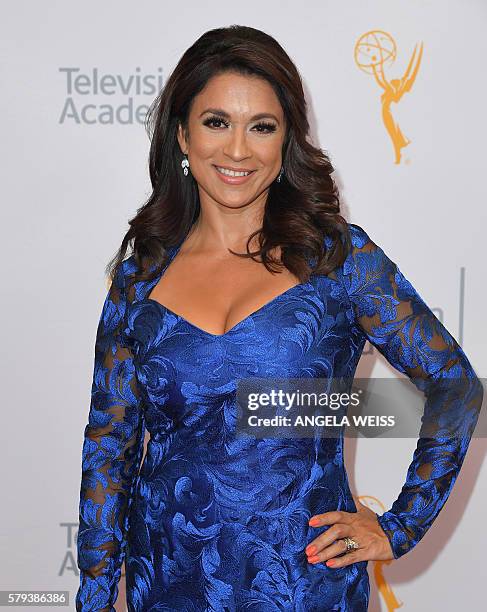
pixel 214 522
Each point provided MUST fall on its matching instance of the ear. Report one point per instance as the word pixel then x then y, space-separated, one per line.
pixel 182 139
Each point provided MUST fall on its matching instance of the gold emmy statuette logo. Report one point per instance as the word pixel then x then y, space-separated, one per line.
pixel 391 601
pixel 372 51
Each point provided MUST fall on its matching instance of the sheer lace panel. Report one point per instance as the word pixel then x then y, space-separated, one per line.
pixel 111 455
pixel 396 320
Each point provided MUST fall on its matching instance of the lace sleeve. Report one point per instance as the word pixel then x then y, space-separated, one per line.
pixel 112 450
pixel 396 320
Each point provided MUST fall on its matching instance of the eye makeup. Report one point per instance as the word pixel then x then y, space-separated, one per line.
pixel 268 126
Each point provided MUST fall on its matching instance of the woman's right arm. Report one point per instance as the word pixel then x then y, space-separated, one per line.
pixel 112 450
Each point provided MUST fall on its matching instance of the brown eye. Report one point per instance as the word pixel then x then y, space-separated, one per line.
pixel 268 127
pixel 212 120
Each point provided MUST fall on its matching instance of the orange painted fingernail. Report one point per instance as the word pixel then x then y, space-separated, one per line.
pixel 314 521
pixel 313 559
pixel 310 550
pixel 330 563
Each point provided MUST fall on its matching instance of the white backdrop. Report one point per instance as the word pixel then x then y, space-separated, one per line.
pixel 73 176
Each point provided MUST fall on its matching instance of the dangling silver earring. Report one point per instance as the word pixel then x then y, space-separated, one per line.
pixel 185 165
pixel 280 174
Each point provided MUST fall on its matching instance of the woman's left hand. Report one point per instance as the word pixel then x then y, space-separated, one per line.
pixel 362 526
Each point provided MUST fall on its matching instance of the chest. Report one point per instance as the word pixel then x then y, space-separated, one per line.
pixel 307 330
pixel 218 295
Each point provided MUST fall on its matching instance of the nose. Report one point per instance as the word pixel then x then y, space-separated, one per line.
pixel 236 145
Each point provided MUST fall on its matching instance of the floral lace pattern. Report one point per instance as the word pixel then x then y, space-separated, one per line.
pixel 211 521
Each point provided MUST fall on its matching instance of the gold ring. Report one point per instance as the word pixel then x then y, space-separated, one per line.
pixel 350 544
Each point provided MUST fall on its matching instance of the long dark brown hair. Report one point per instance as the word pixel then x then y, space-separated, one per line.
pixel 300 209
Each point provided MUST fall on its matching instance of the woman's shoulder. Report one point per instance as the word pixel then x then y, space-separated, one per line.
pixel 358 236
pixel 129 266
pixel 359 242
pixel 123 271
pixel 363 254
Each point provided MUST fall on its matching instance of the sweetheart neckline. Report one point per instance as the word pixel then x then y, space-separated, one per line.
pixel 237 325
pixel 173 251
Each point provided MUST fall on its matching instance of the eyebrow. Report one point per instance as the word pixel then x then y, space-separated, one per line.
pixel 222 113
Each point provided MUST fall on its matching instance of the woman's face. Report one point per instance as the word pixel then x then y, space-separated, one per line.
pixel 244 130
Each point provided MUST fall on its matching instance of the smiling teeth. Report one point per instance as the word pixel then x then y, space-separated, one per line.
pixel 231 172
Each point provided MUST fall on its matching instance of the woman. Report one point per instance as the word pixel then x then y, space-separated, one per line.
pixel 213 521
